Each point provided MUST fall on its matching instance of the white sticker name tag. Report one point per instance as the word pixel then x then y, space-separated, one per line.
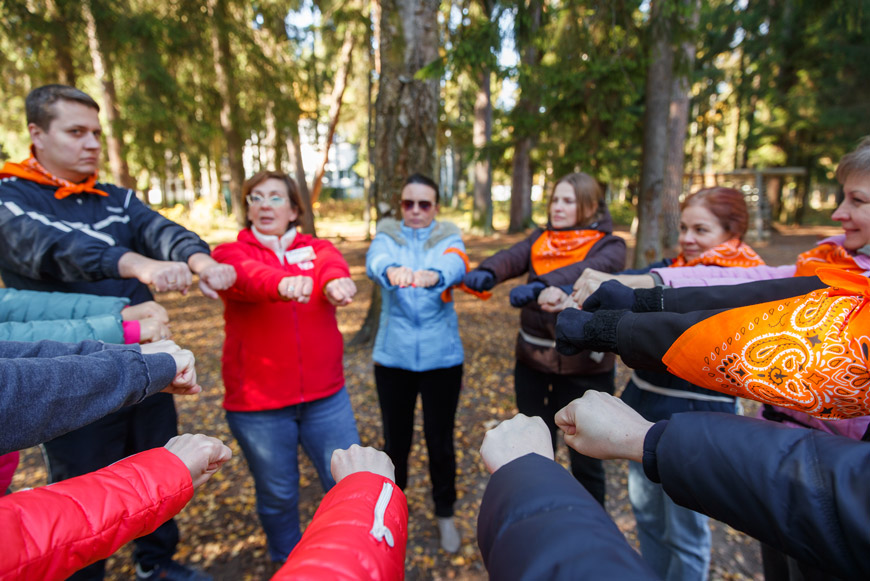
pixel 304 254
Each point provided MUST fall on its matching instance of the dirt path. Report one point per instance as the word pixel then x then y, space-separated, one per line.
pixel 220 531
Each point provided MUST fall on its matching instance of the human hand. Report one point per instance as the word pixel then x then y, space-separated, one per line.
pixel 602 426
pixel 340 291
pixel 426 278
pixel 513 439
pixel 296 288
pixel 153 330
pixel 589 281
pixel 159 347
pixel 525 293
pixel 216 277
pixel 400 276
pixel 611 295
pixel 203 455
pixel 146 310
pixel 359 459
pixel 554 300
pixel 184 382
pixel 479 280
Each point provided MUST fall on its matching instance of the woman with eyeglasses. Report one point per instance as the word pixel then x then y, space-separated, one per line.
pixel 418 349
pixel 578 236
pixel 282 358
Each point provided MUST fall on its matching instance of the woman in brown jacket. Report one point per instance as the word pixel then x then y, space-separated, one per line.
pixel 578 236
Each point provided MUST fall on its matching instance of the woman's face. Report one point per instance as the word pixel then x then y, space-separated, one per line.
pixel 269 207
pixel 418 205
pixel 854 212
pixel 563 207
pixel 700 231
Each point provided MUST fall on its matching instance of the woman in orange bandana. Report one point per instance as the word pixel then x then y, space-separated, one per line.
pixel 578 236
pixel 676 541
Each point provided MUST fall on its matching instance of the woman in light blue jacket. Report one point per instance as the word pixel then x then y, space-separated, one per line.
pixel 418 349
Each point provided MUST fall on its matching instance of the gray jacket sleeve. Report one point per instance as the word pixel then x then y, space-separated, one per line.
pixel 51 388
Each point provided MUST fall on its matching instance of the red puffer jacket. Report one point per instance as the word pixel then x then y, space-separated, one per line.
pixel 358 532
pixel 279 353
pixel 53 531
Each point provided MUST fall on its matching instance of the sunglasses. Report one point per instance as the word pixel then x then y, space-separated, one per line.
pixel 259 200
pixel 424 205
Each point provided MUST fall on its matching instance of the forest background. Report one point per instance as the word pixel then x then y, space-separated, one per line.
pixel 653 98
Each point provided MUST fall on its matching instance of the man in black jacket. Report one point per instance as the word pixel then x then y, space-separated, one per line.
pixel 61 230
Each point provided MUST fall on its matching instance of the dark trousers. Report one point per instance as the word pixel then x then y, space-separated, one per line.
pixel 132 429
pixel 397 393
pixel 544 394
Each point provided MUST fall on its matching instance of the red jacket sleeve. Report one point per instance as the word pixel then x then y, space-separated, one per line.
pixel 358 532
pixel 53 531
pixel 255 281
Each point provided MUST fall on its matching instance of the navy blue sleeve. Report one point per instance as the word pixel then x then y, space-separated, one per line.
pixel 537 522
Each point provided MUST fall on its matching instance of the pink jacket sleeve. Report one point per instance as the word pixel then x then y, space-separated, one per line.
pixel 717 276
pixel 53 531
pixel 358 532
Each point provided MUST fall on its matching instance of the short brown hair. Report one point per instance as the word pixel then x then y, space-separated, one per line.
pixel 588 194
pixel 727 205
pixel 39 104
pixel 855 162
pixel 292 192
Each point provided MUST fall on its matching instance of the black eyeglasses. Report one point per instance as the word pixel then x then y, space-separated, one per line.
pixel 424 205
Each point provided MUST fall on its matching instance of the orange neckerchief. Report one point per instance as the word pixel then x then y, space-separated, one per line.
pixel 30 169
pixel 557 248
pixel 447 294
pixel 808 353
pixel 730 253
pixel 826 256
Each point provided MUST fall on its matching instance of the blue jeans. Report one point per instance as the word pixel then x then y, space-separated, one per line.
pixel 674 541
pixel 270 440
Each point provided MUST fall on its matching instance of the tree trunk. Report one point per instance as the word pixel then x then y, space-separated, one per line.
pixel 103 73
pixel 521 187
pixel 481 218
pixel 678 122
pixel 294 149
pixel 335 108
pixel 655 139
pixel 226 86
pixel 61 39
pixel 406 110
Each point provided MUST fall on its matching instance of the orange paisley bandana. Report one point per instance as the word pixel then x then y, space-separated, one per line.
pixel 826 256
pixel 30 169
pixel 730 253
pixel 447 294
pixel 555 249
pixel 808 353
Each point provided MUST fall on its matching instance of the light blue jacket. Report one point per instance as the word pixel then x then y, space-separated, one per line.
pixel 65 317
pixel 418 331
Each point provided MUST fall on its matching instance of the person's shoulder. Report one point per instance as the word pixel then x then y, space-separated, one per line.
pixel 392 229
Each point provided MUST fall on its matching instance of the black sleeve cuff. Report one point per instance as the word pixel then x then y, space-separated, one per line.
pixel 649 300
pixel 650 443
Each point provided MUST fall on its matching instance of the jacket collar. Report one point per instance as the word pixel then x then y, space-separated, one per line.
pixel 276 244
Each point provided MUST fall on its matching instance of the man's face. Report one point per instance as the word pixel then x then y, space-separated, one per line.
pixel 70 148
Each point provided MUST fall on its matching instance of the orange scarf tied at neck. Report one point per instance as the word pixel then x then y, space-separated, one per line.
pixel 808 353
pixel 30 169
pixel 556 249
pixel 826 256
pixel 728 254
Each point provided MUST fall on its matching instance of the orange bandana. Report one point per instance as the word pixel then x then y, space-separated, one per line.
pixel 447 294
pixel 808 353
pixel 555 249
pixel 30 169
pixel 730 253
pixel 826 256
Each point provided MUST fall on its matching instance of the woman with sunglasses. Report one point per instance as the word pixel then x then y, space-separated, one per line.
pixel 578 236
pixel 418 349
pixel 282 359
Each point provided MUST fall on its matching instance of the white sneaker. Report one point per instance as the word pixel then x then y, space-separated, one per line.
pixel 450 539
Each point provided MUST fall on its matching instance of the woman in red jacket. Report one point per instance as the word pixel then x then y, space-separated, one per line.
pixel 282 359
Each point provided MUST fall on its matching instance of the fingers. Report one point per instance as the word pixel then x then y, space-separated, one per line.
pixel 400 276
pixel 360 459
pixel 425 278
pixel 513 439
pixel 160 347
pixel 203 455
pixel 184 382
pixel 340 291
pixel 172 276
pixel 146 310
pixel 217 277
pixel 296 288
pixel 153 330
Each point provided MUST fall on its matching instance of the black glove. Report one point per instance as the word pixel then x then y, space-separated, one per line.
pixel 526 293
pixel 612 295
pixel 649 300
pixel 479 280
pixel 578 330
